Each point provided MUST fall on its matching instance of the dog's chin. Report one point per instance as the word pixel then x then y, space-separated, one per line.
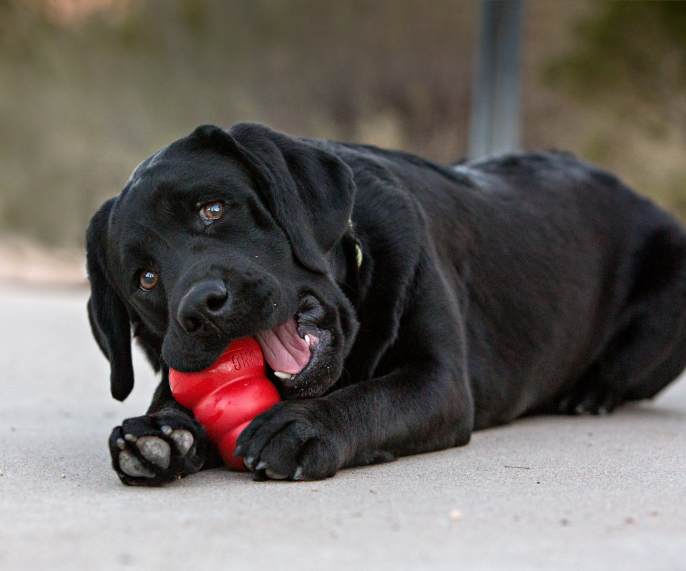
pixel 185 362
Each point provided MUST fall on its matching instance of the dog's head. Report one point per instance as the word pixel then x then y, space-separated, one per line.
pixel 220 235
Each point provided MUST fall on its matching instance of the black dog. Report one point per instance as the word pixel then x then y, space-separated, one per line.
pixel 400 304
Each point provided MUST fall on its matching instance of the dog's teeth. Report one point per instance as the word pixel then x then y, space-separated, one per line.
pixel 308 340
pixel 284 376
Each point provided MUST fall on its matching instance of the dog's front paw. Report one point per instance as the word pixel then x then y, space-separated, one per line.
pixel 292 440
pixel 154 449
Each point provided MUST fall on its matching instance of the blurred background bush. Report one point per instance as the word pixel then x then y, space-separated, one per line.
pixel 89 88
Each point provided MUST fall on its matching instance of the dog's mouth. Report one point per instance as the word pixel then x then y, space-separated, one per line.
pixel 287 350
pixel 300 353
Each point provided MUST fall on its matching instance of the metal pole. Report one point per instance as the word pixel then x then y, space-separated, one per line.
pixel 495 119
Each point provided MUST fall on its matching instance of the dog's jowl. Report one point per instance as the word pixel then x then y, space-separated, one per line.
pixel 400 304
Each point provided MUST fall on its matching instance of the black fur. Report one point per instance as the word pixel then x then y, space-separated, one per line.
pixel 489 290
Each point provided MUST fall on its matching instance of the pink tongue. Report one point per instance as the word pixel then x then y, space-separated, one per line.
pixel 284 349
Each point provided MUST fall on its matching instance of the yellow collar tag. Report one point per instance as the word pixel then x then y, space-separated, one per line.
pixel 358 250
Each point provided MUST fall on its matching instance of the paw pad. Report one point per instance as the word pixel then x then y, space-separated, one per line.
pixel 131 466
pixel 155 450
pixel 183 440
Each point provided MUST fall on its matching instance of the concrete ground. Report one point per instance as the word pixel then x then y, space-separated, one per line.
pixel 543 493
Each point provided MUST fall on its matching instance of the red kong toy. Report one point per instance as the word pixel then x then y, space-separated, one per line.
pixel 225 397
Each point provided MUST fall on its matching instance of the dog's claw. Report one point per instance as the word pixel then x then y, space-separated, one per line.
pixel 237 451
pixel 183 440
pixel 274 475
pixel 155 450
pixel 121 444
pixel 249 462
pixel 130 437
pixel 298 473
pixel 261 465
pixel 131 466
pixel 166 430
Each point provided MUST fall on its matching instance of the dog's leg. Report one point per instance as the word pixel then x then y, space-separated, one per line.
pixel 419 401
pixel 649 349
pixel 644 357
pixel 409 411
pixel 164 444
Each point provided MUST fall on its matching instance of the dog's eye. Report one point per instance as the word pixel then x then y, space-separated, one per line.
pixel 212 211
pixel 148 280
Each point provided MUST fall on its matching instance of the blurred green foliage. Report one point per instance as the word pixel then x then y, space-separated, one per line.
pixel 627 52
pixel 627 64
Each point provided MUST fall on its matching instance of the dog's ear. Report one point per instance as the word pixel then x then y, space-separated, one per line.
pixel 308 190
pixel 107 313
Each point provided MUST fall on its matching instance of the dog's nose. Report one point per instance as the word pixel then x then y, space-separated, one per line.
pixel 202 302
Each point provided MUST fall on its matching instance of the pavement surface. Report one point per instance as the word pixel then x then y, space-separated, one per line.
pixel 542 493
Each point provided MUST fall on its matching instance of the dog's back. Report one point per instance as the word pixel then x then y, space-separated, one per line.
pixel 575 294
